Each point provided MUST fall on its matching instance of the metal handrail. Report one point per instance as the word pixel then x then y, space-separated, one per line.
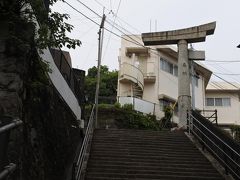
pixel 231 158
pixel 78 165
pixel 216 136
pixel 3 129
pixel 216 145
pixel 213 116
pixel 8 169
pixel 13 124
pixel 218 156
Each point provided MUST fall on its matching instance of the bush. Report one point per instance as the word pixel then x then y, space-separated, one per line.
pixel 117 105
pixel 128 107
pixel 136 120
pixel 166 120
pixel 124 117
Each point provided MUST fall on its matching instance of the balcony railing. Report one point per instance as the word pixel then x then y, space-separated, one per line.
pixel 129 72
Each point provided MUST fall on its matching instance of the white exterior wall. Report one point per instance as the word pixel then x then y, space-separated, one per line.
pixel 227 114
pixel 168 83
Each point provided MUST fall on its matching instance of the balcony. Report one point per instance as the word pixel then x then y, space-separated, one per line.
pixel 130 73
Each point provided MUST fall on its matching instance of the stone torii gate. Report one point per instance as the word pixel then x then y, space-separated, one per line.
pixel 182 37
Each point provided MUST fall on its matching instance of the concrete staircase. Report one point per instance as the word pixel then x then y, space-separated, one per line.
pixel 146 155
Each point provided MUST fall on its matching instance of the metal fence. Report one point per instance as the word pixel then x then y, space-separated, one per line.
pixel 211 115
pixel 218 142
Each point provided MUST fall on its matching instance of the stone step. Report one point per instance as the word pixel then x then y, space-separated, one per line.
pixel 146 155
pixel 170 175
pixel 174 172
pixel 145 150
pixel 132 167
pixel 149 146
pixel 148 160
pixel 151 164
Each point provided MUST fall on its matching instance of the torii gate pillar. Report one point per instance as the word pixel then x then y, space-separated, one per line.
pixel 181 37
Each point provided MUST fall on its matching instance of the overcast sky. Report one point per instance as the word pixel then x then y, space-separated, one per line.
pixel 135 17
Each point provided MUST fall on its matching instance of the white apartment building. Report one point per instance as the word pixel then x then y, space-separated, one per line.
pixel 148 78
pixel 225 98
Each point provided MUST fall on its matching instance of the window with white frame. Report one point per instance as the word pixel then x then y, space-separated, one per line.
pixel 218 102
pixel 168 67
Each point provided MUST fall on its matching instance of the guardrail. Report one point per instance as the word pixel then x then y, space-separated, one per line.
pixel 77 169
pixel 222 147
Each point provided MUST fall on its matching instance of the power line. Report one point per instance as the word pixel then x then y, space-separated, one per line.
pixel 134 41
pixel 109 37
pixel 227 74
pixel 82 13
pixel 111 23
pixel 225 61
pixel 102 5
pixel 225 81
pixel 224 70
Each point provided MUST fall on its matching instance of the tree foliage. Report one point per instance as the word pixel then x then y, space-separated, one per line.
pixel 53 28
pixel 108 82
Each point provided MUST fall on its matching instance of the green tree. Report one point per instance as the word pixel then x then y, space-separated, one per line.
pixel 108 83
pixel 53 26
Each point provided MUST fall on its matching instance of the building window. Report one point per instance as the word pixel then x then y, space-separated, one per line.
pixel 226 102
pixel 210 101
pixel 168 67
pixel 218 102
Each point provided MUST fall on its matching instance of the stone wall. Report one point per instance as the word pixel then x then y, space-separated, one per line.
pixel 44 146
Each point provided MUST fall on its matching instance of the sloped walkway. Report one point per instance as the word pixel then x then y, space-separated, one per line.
pixel 146 155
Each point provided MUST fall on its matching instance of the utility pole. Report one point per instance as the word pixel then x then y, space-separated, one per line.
pixel 100 44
